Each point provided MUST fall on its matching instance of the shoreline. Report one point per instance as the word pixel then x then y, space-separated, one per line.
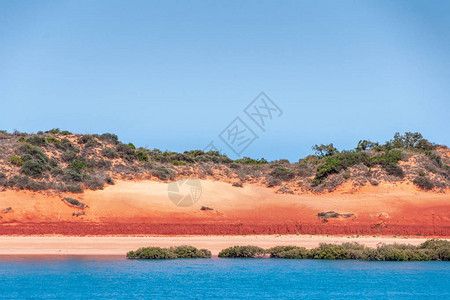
pixel 120 245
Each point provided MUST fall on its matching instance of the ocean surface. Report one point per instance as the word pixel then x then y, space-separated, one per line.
pixel 75 277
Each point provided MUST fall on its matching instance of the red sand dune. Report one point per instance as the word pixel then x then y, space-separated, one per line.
pixel 143 207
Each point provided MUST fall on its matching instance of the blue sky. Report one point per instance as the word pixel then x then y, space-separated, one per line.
pixel 173 74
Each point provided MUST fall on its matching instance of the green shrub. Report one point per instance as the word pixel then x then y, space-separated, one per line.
pixel 346 175
pixel 151 253
pixel 52 140
pixel 53 131
pixel 32 152
pixel 25 183
pixel 282 173
pixel 185 251
pixel 395 252
pixel 435 158
pixel 17 161
pixel 142 156
pixel 109 137
pixel 3 179
pixel 65 132
pixel 288 252
pixel 436 249
pixel 271 181
pixel 76 189
pixel 421 173
pixel 242 252
pixel 251 161
pixel 329 251
pixel 34 168
pixel 84 139
pixel 57 171
pixel 94 183
pixel 109 180
pixel 65 144
pixel 109 153
pixel 423 183
pixel 125 149
pixel 162 173
pixel 71 175
pixel 394 170
pixel 78 165
pixel 68 156
pixel 37 140
pixel 338 162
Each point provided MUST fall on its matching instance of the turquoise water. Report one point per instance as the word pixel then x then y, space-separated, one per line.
pixel 109 277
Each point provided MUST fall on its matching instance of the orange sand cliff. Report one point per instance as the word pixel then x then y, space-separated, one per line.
pixel 143 208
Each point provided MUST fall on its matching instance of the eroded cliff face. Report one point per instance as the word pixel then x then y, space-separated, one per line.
pixel 144 207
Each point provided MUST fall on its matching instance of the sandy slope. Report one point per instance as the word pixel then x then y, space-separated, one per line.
pixel 131 207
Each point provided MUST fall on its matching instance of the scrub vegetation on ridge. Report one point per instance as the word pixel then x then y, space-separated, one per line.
pixel 65 162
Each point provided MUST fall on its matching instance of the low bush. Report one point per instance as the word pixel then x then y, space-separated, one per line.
pixel 109 153
pixel 436 249
pixel 37 140
pixel 16 161
pixel 142 156
pixel 338 162
pixel 85 139
pixel 162 173
pixel 109 180
pixel 152 253
pixel 251 161
pixel 65 144
pixel 54 131
pixel 76 189
pixel 70 175
pixel 243 252
pixel 93 183
pixel 395 252
pixel 283 173
pixel 110 138
pixel 125 149
pixel 25 183
pixel 328 251
pixel 52 140
pixel 78 165
pixel 185 251
pixel 271 181
pixel 423 183
pixel 35 168
pixel 68 156
pixel 3 179
pixel 288 252
pixel 394 170
pixel 237 184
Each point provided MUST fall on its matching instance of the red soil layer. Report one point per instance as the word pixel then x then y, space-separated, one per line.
pixel 85 229
pixel 143 208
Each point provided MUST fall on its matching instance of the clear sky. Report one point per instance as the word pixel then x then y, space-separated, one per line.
pixel 173 74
